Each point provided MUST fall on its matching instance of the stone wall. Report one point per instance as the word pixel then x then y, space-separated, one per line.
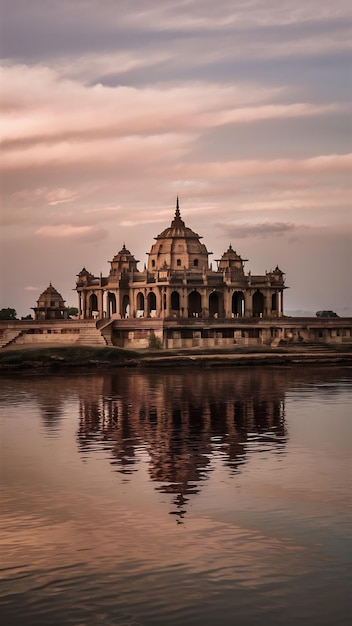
pixel 174 334
pixel 44 333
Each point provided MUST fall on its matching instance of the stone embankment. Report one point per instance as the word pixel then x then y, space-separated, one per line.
pixel 56 359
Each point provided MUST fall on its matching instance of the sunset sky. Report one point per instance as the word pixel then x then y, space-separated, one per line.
pixel 110 108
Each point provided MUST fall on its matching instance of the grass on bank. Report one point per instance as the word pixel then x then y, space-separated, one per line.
pixel 75 355
pixel 55 358
pixel 81 355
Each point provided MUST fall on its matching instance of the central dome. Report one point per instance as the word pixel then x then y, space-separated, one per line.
pixel 178 248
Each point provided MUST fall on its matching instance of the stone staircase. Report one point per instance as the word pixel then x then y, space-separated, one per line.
pixel 89 335
pixel 105 330
pixel 106 333
pixel 9 337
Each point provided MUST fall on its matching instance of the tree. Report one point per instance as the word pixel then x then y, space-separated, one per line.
pixel 72 311
pixel 8 314
pixel 27 317
pixel 326 314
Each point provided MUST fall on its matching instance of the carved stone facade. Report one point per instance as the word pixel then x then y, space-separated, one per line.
pixel 179 283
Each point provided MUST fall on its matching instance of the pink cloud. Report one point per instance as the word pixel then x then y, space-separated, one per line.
pixel 61 196
pixel 40 124
pixel 83 233
pixel 320 164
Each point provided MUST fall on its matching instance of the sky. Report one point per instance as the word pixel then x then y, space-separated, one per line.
pixel 110 108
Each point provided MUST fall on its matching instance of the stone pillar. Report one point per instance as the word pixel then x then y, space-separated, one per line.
pixel 159 302
pixel 133 304
pixel 183 303
pixel 248 303
pixel 100 303
pixel 227 303
pixel 224 299
pixel 85 310
pixel 267 304
pixel 204 302
pixel 106 312
pixel 167 310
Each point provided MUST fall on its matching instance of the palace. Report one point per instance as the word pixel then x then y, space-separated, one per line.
pixel 178 301
pixel 178 283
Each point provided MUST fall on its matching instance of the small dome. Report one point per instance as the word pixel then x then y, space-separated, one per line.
pixel 277 274
pixel 51 295
pixel 50 305
pixel 123 254
pixel 83 272
pixel 84 278
pixel 230 259
pixel 123 261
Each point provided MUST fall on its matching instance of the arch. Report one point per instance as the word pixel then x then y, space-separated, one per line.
pixel 194 304
pixel 274 302
pixel 151 299
pixel 93 304
pixel 196 262
pixel 140 304
pixel 111 304
pixel 175 301
pixel 178 262
pixel 213 304
pixel 238 304
pixel 125 307
pixel 258 304
pixel 153 263
pixel 216 304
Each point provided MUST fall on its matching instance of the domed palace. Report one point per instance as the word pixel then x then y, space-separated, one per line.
pixel 179 283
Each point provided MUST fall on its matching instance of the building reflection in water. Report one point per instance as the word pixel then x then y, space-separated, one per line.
pixel 186 422
pixel 51 409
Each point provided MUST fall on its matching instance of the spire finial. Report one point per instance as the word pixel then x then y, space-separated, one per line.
pixel 177 212
pixel 177 222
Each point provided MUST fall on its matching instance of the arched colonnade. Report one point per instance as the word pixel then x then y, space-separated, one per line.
pixel 184 303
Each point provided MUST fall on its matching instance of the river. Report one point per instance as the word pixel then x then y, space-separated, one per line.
pixel 177 497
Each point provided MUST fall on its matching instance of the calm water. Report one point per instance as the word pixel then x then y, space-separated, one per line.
pixel 184 497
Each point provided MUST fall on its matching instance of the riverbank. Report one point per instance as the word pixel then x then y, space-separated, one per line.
pixel 55 359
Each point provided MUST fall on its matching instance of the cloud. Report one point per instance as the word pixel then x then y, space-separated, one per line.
pixel 141 218
pixel 68 231
pixel 39 106
pixel 226 13
pixel 319 164
pixel 264 229
pixel 95 68
pixel 61 196
pixel 124 127
pixel 115 113
pixel 30 288
pixel 179 34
